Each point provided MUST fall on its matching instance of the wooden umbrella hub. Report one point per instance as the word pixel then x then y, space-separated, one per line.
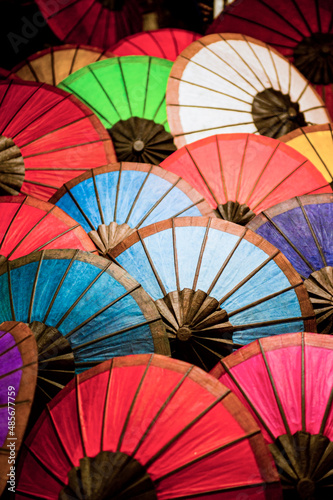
pixel 320 289
pixel 235 212
pixel 199 330
pixel 275 114
pixel 304 462
pixel 140 140
pixel 108 236
pixel 109 475
pixel 12 169
pixel 313 56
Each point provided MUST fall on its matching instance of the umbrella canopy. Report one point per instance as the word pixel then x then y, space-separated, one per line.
pixel 302 229
pixel 302 30
pixel 242 174
pixel 111 202
pixel 166 43
pixel 146 427
pixel 216 285
pixel 232 83
pixel 28 224
pixel 128 95
pixel 286 383
pixel 316 143
pixel 55 63
pixel 93 22
pixel 18 373
pixel 82 309
pixel 47 137
pixel 4 74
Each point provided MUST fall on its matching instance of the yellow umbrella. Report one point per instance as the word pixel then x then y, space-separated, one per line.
pixel 316 143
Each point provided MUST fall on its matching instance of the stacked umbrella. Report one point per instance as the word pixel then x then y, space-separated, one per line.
pixel 170 198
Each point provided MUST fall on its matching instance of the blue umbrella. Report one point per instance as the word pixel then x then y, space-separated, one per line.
pixel 302 229
pixel 112 201
pixel 82 309
pixel 216 285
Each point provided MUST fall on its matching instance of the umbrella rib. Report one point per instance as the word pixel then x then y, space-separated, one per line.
pixel 226 262
pixel 289 241
pixel 8 84
pixel 208 454
pixel 2 353
pixel 202 363
pixel 285 20
pixel 33 292
pixel 327 412
pixel 68 312
pixel 314 236
pixel 242 167
pixel 130 42
pixel 63 8
pixel 304 18
pixel 211 107
pixel 157 203
pixel 43 466
pixel 159 281
pixel 201 174
pixel 125 86
pixel 318 17
pixel 17 112
pixel 146 89
pixel 258 59
pixel 52 66
pixel 105 93
pixel 41 184
pixel 262 300
pixel 106 400
pixel 20 368
pixel 12 221
pixel 10 291
pixel 76 381
pixel 60 285
pixel 164 55
pixel 73 60
pixel 57 237
pixel 33 72
pixel 315 150
pixel 122 434
pixel 202 250
pixel 107 27
pixel 58 436
pixel 303 384
pixel 261 174
pixel 101 311
pixel 73 28
pixel 117 192
pixel 213 90
pixel 224 62
pixel 224 184
pixel 271 323
pixel 276 395
pixel 175 42
pixel 189 207
pixel 279 184
pixel 158 109
pixel 76 203
pixel 72 146
pixel 248 277
pixel 303 91
pixel 175 256
pixel 219 356
pixel 242 59
pixel 97 197
pixel 161 409
pixel 274 66
pixel 185 429
pixel 249 402
pixel 213 128
pixel 138 196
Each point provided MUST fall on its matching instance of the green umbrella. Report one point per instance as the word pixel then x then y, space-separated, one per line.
pixel 128 95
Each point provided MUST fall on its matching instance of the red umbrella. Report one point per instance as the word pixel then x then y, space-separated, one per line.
pixel 54 64
pixel 18 374
pixel 302 30
pixel 94 22
pixel 47 137
pixel 286 383
pixel 166 43
pixel 28 224
pixel 4 74
pixel 243 174
pixel 146 427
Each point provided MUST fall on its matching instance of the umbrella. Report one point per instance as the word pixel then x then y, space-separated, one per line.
pixel 82 309
pixel 4 74
pixel 128 95
pixel 216 285
pixel 28 224
pixel 302 30
pixel 93 22
pixel 18 372
pixel 111 202
pixel 55 63
pixel 243 174
pixel 316 143
pixel 146 427
pixel 286 383
pixel 233 83
pixel 302 229
pixel 47 137
pixel 166 43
